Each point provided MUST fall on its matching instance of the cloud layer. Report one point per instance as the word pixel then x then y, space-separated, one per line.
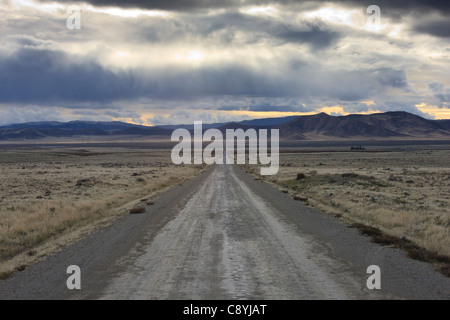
pixel 222 59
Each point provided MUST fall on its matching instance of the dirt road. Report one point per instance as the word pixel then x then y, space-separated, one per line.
pixel 224 235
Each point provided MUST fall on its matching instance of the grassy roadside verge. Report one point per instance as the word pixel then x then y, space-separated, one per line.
pixel 31 230
pixel 374 204
pixel 412 250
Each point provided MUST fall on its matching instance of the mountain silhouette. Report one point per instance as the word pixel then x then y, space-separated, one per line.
pixel 313 127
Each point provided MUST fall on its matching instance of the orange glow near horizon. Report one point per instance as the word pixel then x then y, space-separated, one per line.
pixel 438 113
pixel 369 103
pixel 269 114
pixel 333 109
pixel 339 110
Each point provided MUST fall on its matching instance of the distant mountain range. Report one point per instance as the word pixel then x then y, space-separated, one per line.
pixel 38 130
pixel 315 127
pixel 381 125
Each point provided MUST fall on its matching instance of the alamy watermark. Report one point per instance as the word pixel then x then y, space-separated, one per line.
pixel 74 281
pixel 375 18
pixel 222 150
pixel 374 281
pixel 74 19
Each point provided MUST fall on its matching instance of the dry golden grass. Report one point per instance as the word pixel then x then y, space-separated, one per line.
pixel 403 194
pixel 47 195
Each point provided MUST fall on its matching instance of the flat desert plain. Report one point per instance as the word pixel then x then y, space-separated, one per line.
pixel 50 197
pixel 399 197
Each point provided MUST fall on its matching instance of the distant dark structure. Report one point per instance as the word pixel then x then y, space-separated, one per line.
pixel 357 148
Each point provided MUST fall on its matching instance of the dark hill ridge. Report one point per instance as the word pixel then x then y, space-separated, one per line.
pixel 73 125
pixel 30 133
pixel 319 126
pixel 39 130
pixel 444 124
pixel 145 131
pixel 381 125
pixel 266 122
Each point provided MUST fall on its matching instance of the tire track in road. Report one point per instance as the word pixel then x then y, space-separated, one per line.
pixel 230 243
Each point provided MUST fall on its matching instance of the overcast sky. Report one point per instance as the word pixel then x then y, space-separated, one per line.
pixel 161 62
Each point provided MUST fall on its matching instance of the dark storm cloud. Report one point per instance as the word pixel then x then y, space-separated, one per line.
pixel 317 38
pixel 264 108
pixel 439 27
pixel 32 76
pixel 391 78
pixel 440 92
pixel 84 113
pixel 231 108
pixel 396 9
pixel 407 5
pixel 93 106
pixel 43 76
pixel 233 28
pixel 49 76
pixel 436 87
pixel 271 108
pixel 223 27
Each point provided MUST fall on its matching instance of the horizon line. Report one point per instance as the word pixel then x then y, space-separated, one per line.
pixel 306 114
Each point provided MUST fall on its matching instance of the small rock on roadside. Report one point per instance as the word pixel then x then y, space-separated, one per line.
pixel 300 198
pixel 137 210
